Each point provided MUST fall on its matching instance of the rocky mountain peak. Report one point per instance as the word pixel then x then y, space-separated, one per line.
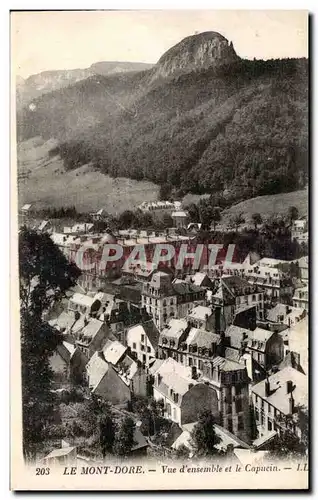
pixel 196 52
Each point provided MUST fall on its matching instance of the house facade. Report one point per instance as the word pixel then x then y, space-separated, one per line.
pixel 278 399
pixel 165 299
pixel 142 339
pixel 183 398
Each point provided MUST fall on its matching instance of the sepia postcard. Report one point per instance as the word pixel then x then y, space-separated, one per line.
pixel 160 241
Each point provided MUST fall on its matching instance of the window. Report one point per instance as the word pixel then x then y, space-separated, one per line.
pixel 142 337
pixel 200 364
pixel 240 423
pixel 134 346
pixel 254 298
pixel 262 404
pixel 175 397
pixel 181 358
pixel 269 408
pixel 262 419
pixel 174 416
pixel 230 425
pixel 142 347
pixel 238 405
pixel 256 414
pixel 238 390
pixel 190 361
pixel 168 409
pixel 269 425
pixel 148 349
pixel 144 358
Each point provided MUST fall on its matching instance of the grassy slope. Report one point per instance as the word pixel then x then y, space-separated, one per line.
pixel 48 185
pixel 271 204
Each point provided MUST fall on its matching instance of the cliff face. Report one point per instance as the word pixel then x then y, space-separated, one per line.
pixel 196 52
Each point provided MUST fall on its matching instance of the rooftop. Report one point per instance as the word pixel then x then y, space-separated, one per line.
pixel 113 351
pixel 279 398
pixel 200 313
pixel 60 452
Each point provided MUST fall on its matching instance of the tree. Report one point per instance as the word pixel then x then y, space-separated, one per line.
pixel 45 276
pixel 124 439
pixel 106 433
pixel 206 211
pixel 126 219
pixel 257 219
pixel 237 220
pixel 203 435
pixel 215 216
pixel 194 212
pixel 293 214
pixel 45 273
pixel 165 192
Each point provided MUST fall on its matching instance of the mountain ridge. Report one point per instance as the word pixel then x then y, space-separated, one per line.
pixel 219 125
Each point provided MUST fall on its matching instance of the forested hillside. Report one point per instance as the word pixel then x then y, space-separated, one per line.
pixel 238 128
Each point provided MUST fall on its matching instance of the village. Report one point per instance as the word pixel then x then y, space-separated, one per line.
pixel 161 346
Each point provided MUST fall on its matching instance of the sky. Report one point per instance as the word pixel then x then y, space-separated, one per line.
pixel 51 40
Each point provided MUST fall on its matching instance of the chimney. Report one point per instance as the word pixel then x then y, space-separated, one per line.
pixel 289 386
pixel 218 319
pixel 291 404
pixel 267 387
pixel 213 348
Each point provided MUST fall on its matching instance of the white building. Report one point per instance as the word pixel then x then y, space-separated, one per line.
pixel 301 298
pixel 279 397
pixel 143 341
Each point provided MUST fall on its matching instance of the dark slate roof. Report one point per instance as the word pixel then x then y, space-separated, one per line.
pixel 183 288
pixel 152 333
pixel 236 334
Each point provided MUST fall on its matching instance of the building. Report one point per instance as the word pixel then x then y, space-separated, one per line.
pixel 225 439
pixel 97 216
pixel 230 381
pixel 198 347
pixel 84 304
pixel 303 268
pixel 64 456
pixel 183 397
pixel 143 341
pixel 113 375
pixel 301 298
pixel 299 231
pixel 265 347
pixel 233 294
pixel 285 314
pixel 92 337
pixel 181 219
pixel 278 399
pixel 170 338
pixel 201 279
pixel 68 363
pixel 298 342
pixel 272 281
pixel 206 318
pixel 165 299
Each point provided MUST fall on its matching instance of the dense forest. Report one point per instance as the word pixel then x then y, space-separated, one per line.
pixel 239 129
